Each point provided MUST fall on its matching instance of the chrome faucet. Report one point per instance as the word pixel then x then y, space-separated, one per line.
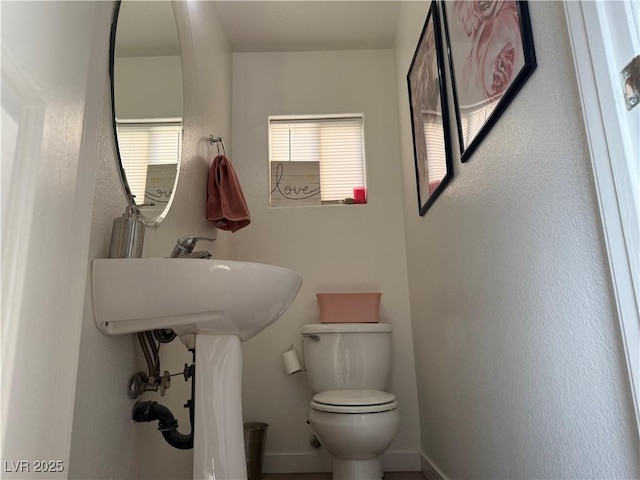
pixel 185 245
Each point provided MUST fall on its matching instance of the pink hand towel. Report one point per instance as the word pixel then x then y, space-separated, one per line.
pixel 226 206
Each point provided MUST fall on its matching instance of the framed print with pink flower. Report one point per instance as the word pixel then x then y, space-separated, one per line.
pixel 491 55
pixel 429 114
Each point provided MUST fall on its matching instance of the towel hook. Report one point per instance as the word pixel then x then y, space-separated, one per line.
pixel 218 141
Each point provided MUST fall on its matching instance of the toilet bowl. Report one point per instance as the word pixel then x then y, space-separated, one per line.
pixel 356 427
pixel 353 417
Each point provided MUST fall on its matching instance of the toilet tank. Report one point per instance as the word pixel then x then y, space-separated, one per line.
pixel 342 356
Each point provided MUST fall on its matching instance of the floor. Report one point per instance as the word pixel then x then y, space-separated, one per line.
pixel 327 476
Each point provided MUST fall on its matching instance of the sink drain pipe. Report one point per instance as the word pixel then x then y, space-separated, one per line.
pixel 167 423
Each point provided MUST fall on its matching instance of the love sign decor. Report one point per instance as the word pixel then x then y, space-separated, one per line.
pixel 295 183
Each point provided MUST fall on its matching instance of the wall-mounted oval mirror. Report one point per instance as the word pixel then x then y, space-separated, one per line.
pixel 147 101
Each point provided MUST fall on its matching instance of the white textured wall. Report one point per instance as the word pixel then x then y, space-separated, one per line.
pixel 103 438
pixel 52 84
pixel 334 248
pixel 105 443
pixel 518 356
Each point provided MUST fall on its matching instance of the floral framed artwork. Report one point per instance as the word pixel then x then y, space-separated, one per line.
pixel 429 113
pixel 491 55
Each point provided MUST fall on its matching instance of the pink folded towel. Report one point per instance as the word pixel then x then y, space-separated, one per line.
pixel 226 206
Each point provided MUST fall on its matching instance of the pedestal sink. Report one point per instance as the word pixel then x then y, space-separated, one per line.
pixel 213 305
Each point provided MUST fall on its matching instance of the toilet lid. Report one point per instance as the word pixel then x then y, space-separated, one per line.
pixel 354 401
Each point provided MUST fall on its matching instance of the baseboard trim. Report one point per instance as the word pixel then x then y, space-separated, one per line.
pixel 430 470
pixel 304 462
pixel 401 461
pixel 320 461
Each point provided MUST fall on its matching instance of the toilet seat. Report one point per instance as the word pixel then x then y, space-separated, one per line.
pixel 354 401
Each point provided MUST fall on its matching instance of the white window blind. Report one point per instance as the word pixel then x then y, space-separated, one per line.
pixel 436 152
pixel 335 142
pixel 474 118
pixel 144 144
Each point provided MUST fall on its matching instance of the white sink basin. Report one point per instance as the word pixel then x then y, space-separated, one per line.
pixel 218 297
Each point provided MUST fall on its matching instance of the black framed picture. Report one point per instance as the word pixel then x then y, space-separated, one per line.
pixel 429 114
pixel 491 55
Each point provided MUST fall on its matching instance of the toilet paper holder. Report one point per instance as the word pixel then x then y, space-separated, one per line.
pixel 291 361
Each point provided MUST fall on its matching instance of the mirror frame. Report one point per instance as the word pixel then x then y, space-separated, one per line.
pixel 155 221
pixel 112 64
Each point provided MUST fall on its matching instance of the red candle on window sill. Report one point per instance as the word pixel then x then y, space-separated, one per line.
pixel 359 195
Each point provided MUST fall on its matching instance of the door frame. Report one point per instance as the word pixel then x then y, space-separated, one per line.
pixel 45 242
pixel 590 33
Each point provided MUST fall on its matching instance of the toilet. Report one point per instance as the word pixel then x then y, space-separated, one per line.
pixel 352 415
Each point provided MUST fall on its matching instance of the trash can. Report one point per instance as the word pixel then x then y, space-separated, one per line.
pixel 255 435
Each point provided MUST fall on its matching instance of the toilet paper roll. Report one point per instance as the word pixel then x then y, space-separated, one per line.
pixel 291 362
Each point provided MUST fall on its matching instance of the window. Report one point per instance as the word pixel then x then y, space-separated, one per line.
pixel 145 148
pixel 336 142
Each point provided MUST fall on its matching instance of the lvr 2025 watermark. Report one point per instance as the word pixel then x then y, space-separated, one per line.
pixel 32 466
